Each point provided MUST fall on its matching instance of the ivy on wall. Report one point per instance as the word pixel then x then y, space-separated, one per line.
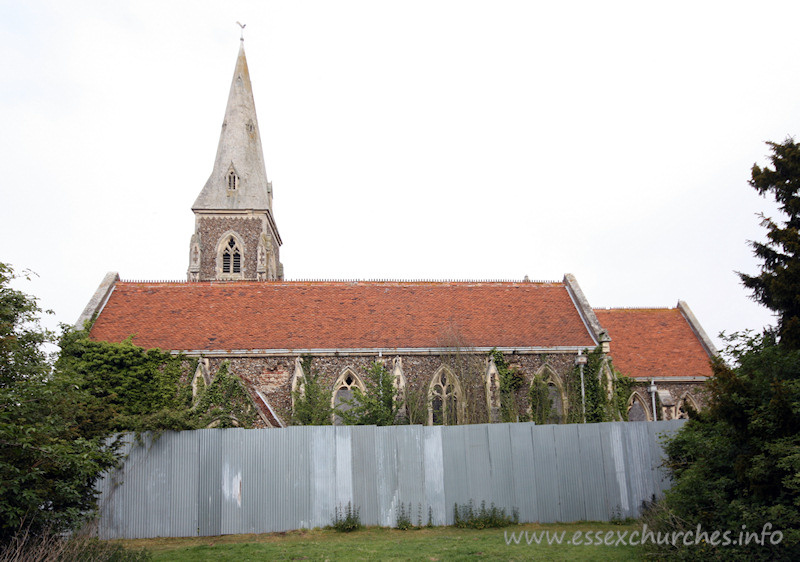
pixel 541 403
pixel 511 381
pixel 224 403
pixel 130 388
pixel 606 390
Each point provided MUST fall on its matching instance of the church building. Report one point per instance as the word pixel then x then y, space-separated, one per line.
pixel 435 337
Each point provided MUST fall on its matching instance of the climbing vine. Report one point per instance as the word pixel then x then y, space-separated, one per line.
pixel 541 403
pixel 606 397
pixel 130 388
pixel 511 380
pixel 623 387
pixel 225 402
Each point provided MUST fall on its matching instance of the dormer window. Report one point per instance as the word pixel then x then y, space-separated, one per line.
pixel 232 257
pixel 233 181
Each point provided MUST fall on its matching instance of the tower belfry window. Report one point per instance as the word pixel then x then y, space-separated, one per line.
pixel 232 257
pixel 233 181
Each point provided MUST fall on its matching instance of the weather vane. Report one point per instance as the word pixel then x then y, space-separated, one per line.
pixel 242 25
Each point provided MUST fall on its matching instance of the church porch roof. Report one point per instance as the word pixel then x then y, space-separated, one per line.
pixel 656 343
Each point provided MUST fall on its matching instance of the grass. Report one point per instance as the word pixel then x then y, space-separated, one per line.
pixel 439 543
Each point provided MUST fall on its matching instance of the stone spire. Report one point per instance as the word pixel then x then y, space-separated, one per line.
pixel 239 178
pixel 235 237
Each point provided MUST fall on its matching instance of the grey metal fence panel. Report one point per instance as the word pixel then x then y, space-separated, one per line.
pixel 344 467
pixel 434 475
pixel 183 483
pixel 252 521
pixel 111 522
pixel 546 479
pixel 410 468
pixel 300 473
pixel 323 475
pixel 640 476
pixel 229 448
pixel 209 499
pixel 477 465
pixel 501 471
pixel 591 472
pixel 456 484
pixel 523 471
pixel 365 493
pixel 614 484
pixel 216 481
pixel 386 476
pixel 568 461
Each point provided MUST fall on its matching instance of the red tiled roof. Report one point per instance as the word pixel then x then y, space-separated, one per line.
pixel 340 315
pixel 654 343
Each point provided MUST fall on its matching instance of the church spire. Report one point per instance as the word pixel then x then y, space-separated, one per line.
pixel 239 178
pixel 235 236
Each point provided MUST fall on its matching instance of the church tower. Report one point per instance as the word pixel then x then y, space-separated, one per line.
pixel 235 235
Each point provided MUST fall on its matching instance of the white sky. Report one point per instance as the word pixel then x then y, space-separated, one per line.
pixel 406 139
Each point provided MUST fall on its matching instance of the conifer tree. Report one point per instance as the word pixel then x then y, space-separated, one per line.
pixel 778 285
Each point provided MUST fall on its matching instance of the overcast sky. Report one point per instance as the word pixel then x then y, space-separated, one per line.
pixel 408 139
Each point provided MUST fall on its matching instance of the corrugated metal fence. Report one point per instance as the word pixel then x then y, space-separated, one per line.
pixel 223 481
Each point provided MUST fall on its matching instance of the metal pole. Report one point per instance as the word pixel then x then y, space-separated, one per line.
pixel 652 390
pixel 583 395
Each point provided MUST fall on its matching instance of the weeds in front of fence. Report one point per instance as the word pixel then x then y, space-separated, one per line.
pixel 403 518
pixel 346 520
pixel 466 516
pixel 48 546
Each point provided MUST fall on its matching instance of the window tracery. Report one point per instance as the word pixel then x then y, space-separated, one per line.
pixel 341 401
pixel 445 398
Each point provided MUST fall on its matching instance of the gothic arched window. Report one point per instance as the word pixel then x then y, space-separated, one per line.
pixel 343 393
pixel 445 398
pixel 232 257
pixel 556 402
pixel 637 408
pixel 233 180
pixel 686 403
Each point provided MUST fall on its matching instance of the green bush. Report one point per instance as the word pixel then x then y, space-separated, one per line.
pixel 312 401
pixel 379 405
pixel 738 461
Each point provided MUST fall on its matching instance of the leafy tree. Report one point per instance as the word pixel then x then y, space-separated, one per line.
pixel 312 403
pixel 778 285
pixel 48 466
pixel 379 405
